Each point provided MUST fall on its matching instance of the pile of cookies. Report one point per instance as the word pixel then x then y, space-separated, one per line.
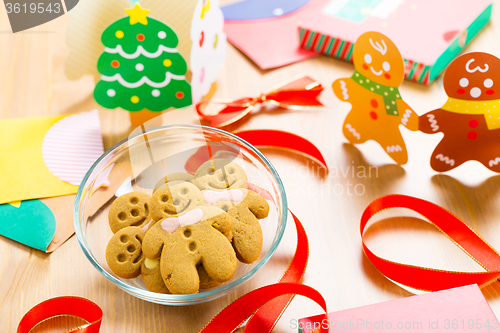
pixel 190 233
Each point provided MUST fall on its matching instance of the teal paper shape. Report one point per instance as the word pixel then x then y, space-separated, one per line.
pixel 32 224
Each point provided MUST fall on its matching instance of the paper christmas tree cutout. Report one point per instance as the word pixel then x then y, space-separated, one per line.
pixel 377 106
pixel 470 118
pixel 141 67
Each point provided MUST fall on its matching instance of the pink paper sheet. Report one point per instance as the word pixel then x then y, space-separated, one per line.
pixel 271 43
pixel 457 310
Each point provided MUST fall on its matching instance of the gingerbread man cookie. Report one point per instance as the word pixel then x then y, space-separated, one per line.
pixel 184 242
pixel 220 174
pixel 246 208
pixel 470 119
pixel 175 199
pixel 124 252
pixel 377 106
pixel 131 209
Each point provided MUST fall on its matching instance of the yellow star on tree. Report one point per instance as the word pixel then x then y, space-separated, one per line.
pixel 138 15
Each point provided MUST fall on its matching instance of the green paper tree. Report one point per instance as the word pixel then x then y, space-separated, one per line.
pixel 141 67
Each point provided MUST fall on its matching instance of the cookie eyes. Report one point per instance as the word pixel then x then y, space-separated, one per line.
pixel 463 82
pixel 488 83
pixel 368 58
pixel 386 66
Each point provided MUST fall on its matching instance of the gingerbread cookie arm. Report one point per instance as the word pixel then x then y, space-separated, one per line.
pixel 408 117
pixel 221 221
pixel 154 241
pixel 430 122
pixel 152 278
pixel 345 89
pixel 257 204
pixel 178 268
pixel 218 257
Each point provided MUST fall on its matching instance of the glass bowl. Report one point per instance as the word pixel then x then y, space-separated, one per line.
pixel 138 163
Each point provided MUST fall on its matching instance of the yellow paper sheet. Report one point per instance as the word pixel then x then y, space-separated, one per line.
pixel 23 173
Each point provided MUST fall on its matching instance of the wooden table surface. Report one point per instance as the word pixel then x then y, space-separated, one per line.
pixel 33 84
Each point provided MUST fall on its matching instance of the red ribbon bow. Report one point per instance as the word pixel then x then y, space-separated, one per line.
pixel 297 94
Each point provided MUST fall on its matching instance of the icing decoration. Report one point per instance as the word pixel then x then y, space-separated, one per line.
pixel 206 59
pixel 72 145
pixel 63 306
pixel 32 224
pixel 301 93
pixel 261 9
pixel 212 197
pixel 283 140
pixel 470 118
pixel 377 107
pixel 455 229
pixel 151 263
pixel 191 217
pixel 133 88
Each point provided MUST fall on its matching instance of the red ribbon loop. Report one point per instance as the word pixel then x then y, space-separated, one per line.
pixel 68 305
pixel 457 231
pixel 297 94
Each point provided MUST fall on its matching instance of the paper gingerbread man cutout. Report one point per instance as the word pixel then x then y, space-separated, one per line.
pixel 377 106
pixel 470 118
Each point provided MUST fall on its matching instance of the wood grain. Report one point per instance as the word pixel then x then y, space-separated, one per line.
pixel 33 84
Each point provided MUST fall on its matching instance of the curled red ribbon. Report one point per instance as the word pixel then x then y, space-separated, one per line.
pixel 298 94
pixel 73 306
pixel 455 229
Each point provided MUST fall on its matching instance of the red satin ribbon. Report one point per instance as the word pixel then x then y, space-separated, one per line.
pixel 297 94
pixel 457 231
pixel 259 138
pixel 283 140
pixel 74 306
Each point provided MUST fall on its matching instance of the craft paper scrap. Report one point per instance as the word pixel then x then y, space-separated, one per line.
pixel 334 25
pixel 32 223
pixel 273 42
pixel 47 156
pixel 459 310
pixel 41 224
pixel 260 9
pixel 377 106
pixel 470 118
